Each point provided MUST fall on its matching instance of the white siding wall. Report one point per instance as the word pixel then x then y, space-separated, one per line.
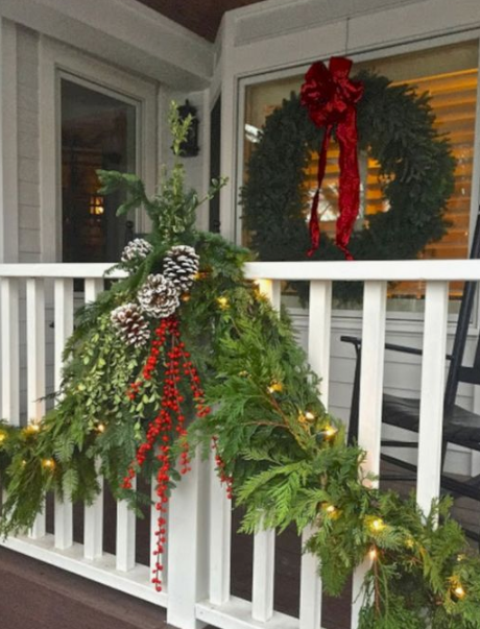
pixel 28 146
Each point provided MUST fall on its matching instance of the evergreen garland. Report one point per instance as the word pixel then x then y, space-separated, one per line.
pixel 395 127
pixel 284 458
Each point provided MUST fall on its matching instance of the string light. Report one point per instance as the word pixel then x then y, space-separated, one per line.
pixel 377 525
pixel 48 464
pixel 459 592
pixel 31 429
pixel 326 434
pixel 309 416
pixel 223 302
pixel 330 509
pixel 3 436
pixel 373 554
pixel 100 428
pixel 185 298
pixel 275 387
pixel 330 431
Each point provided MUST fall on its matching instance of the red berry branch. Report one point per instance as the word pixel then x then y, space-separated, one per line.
pixel 169 420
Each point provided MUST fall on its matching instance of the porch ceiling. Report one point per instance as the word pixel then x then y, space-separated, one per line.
pixel 200 16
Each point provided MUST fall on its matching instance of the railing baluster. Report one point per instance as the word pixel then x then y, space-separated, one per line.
pixel 319 331
pixel 36 369
pixel 263 575
pixel 220 538
pixel 63 297
pixel 371 392
pixel 93 518
pixel 188 546
pixel 126 528
pixel 264 541
pixel 10 352
pixel 431 400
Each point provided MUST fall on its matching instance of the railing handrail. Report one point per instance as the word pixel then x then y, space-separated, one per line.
pixel 63 270
pixel 374 270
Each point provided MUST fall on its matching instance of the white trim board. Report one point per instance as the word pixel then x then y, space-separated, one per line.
pixel 56 59
pixel 122 32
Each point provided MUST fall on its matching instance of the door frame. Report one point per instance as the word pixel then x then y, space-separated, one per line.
pixel 56 61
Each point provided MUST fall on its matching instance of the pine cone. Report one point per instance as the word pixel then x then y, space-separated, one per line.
pixel 158 297
pixel 180 266
pixel 136 250
pixel 130 324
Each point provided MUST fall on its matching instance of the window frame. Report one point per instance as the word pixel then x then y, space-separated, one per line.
pixel 58 61
pixel 397 321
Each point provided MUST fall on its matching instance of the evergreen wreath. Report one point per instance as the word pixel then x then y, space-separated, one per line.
pixel 130 385
pixel 395 127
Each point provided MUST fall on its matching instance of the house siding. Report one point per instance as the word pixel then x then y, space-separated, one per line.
pixel 28 145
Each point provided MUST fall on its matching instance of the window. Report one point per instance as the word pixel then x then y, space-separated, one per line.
pixel 98 131
pixel 449 75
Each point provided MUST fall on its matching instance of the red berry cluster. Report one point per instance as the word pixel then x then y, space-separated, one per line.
pixel 169 420
pixel 220 463
pixel 152 360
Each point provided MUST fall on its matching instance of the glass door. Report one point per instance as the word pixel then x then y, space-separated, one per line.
pixel 98 131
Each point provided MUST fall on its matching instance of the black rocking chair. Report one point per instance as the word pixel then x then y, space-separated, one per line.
pixel 461 427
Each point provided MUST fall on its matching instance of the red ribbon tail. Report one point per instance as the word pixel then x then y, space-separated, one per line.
pixel 314 225
pixel 346 252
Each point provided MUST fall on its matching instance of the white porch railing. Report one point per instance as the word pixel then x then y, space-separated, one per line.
pixel 198 561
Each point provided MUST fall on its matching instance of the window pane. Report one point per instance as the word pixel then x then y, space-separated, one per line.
pixel 98 132
pixel 449 76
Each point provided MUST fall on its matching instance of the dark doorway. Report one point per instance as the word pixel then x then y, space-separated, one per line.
pixel 98 132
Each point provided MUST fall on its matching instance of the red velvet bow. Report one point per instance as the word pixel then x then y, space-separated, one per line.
pixel 330 97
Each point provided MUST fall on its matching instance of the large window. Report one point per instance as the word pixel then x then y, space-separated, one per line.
pixel 449 76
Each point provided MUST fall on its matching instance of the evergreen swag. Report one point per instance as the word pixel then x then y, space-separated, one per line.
pixel 395 127
pixel 284 457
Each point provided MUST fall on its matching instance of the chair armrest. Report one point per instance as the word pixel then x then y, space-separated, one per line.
pixel 357 343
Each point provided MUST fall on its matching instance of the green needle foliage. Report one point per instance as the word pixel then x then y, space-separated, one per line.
pixel 285 456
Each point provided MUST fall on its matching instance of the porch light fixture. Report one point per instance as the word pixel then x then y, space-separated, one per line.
pixel 190 147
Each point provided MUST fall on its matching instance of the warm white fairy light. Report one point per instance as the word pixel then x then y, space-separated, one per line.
pixel 459 592
pixel 223 302
pixel 330 432
pixel 377 525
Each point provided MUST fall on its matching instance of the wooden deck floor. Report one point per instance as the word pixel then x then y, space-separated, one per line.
pixel 39 596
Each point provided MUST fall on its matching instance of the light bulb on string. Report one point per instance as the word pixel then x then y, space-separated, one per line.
pixel 377 525
pixel 373 553
pixel 459 592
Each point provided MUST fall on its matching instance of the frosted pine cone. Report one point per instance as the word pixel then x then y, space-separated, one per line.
pixel 130 324
pixel 180 265
pixel 137 249
pixel 158 297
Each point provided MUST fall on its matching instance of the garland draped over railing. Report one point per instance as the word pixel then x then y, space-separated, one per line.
pixel 133 375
